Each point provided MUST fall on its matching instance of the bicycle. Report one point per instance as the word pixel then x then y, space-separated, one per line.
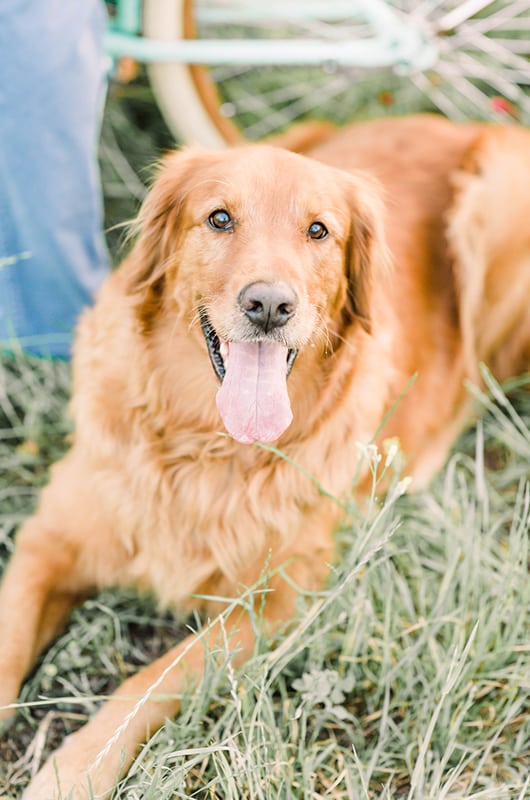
pixel 272 63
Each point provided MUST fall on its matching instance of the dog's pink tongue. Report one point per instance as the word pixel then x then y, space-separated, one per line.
pixel 253 400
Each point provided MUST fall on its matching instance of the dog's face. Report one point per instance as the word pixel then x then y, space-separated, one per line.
pixel 268 251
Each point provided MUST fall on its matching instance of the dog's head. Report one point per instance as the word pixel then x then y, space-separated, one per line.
pixel 267 251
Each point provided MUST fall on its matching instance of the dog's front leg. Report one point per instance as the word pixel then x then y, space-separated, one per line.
pixel 95 757
pixel 36 597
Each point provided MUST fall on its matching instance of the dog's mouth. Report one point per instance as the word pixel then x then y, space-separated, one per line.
pixel 214 345
pixel 252 399
pixel 216 348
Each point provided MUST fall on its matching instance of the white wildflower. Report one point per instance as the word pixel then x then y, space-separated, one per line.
pixel 391 448
pixel 369 452
pixel 402 486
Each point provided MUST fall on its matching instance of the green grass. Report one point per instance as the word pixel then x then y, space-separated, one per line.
pixel 409 677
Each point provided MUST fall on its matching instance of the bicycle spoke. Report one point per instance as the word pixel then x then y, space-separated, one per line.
pixel 281 118
pixel 477 70
pixel 460 14
pixel 517 10
pixel 441 100
pixel 483 49
pixel 469 91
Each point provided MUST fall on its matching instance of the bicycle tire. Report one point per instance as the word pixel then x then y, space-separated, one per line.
pixel 185 86
pixel 490 84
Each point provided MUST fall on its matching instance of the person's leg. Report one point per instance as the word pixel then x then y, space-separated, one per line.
pixel 52 254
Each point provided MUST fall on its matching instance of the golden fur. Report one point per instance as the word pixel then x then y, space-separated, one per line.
pixel 152 496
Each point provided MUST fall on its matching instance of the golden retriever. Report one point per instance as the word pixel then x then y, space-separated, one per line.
pixel 279 298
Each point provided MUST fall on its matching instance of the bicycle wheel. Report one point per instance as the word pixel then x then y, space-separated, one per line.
pixel 482 70
pixel 186 94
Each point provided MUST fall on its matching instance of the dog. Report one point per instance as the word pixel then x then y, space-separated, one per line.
pixel 271 301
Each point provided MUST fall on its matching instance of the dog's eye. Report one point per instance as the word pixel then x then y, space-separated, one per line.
pixel 317 230
pixel 220 220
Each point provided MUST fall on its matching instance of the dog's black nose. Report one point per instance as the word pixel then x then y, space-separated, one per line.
pixel 268 305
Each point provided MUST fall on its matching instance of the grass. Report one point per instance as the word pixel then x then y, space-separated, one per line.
pixel 409 677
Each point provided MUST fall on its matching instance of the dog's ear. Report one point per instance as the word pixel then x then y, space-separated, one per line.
pixel 366 253
pixel 157 229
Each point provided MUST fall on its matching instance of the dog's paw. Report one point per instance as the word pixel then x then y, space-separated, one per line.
pixel 64 777
pixel 55 782
pixel 71 773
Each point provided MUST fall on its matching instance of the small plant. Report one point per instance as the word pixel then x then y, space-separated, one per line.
pixel 326 689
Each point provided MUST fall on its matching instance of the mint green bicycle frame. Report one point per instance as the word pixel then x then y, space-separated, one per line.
pixel 394 43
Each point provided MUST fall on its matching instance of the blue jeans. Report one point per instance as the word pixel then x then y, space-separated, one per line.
pixel 52 253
